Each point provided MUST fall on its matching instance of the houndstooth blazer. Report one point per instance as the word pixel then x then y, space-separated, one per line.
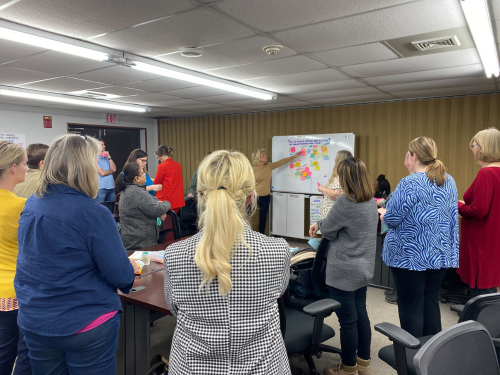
pixel 238 334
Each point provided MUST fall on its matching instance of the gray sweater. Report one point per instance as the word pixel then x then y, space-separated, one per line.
pixel 139 211
pixel 352 229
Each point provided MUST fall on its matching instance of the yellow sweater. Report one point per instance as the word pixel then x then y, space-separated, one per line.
pixel 263 176
pixel 9 218
pixel 28 187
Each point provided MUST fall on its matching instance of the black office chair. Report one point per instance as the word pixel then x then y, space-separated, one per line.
pixel 170 228
pixel 302 320
pixel 484 309
pixel 109 205
pixel 188 216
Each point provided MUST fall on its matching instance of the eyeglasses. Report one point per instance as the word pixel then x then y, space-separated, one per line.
pixel 472 145
pixel 144 161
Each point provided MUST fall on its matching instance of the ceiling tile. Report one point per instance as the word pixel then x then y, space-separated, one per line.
pixel 446 92
pixel 357 54
pixel 269 15
pixel 116 75
pixel 14 76
pixel 148 99
pixel 336 93
pixel 412 64
pixel 438 84
pixel 354 99
pixel 196 92
pixel 161 84
pixel 58 63
pixel 179 103
pixel 236 52
pixel 117 90
pixel 426 75
pixel 404 20
pixel 222 99
pixel 62 85
pixel 84 19
pixel 195 28
pixel 318 87
pixel 13 50
pixel 281 82
pixel 287 65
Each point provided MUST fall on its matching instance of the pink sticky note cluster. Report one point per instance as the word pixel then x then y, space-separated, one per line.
pixel 303 152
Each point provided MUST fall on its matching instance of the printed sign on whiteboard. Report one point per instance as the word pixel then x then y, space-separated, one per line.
pixel 315 202
pixel 19 139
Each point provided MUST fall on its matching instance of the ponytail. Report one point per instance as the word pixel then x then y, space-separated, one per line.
pixel 426 150
pixel 436 172
pixel 225 180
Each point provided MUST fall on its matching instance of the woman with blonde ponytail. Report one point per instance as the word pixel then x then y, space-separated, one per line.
pixel 223 283
pixel 422 241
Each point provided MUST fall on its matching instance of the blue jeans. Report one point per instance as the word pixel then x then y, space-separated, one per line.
pixel 12 345
pixel 355 330
pixel 105 195
pixel 92 352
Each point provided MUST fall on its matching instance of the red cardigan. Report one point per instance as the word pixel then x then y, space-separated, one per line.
pixel 480 231
pixel 169 175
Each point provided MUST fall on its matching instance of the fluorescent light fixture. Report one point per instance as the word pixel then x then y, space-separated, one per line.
pixel 198 79
pixel 38 41
pixel 60 99
pixel 479 21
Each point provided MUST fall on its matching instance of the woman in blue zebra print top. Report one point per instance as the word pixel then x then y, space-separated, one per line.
pixel 422 242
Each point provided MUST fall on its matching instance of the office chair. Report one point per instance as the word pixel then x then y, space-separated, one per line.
pixel 302 320
pixel 170 228
pixel 109 205
pixel 484 309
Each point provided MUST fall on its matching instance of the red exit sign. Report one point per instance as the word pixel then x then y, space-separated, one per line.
pixel 113 119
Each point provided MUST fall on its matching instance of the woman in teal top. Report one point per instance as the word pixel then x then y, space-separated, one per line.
pixel 140 157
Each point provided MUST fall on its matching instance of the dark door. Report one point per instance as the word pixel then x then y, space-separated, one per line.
pixel 119 142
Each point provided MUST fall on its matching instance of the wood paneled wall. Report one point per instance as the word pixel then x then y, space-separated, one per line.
pixel 383 131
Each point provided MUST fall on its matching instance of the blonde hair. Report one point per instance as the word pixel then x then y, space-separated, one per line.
pixel 72 161
pixel 256 156
pixel 225 180
pixel 10 154
pixel 353 178
pixel 489 141
pixel 341 155
pixel 426 150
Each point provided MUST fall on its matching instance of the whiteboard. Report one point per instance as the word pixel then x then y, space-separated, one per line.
pixel 315 165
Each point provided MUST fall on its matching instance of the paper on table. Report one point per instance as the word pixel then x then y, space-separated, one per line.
pixel 136 255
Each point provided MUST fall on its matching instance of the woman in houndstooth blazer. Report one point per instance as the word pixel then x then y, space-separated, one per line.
pixel 223 283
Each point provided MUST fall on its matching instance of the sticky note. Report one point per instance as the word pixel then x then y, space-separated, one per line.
pixel 297 164
pixel 307 169
pixel 313 242
pixel 303 152
pixel 325 157
pixel 309 173
pixel 307 177
pixel 315 146
pixel 303 177
pixel 292 149
pixel 312 155
pixel 317 168
pixel 315 163
pixel 304 173
pixel 291 166
pixel 319 183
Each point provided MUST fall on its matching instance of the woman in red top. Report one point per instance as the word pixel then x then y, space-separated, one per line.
pixel 169 175
pixel 480 210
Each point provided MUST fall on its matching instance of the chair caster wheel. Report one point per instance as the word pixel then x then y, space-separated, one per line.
pixel 319 354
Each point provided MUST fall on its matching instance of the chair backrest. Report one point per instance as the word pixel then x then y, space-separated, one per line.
pixel 189 213
pixel 170 228
pixel 318 273
pixel 465 348
pixel 484 309
pixel 109 205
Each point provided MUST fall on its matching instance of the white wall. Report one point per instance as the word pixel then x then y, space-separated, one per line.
pixel 29 121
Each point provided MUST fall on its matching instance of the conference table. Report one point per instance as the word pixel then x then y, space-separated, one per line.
pixel 133 354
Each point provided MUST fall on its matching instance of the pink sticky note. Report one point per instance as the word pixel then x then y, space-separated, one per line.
pixel 302 152
pixel 302 177
pixel 309 173
pixel 292 149
pixel 318 184
pixel 307 168
pixel 291 166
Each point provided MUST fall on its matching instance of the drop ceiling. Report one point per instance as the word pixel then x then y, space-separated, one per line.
pixel 333 52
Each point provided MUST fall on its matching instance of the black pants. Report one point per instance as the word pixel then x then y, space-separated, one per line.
pixel 474 292
pixel 355 331
pixel 263 203
pixel 418 305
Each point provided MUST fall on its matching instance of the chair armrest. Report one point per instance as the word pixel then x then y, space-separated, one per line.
pixel 398 335
pixel 496 342
pixel 457 308
pixel 320 307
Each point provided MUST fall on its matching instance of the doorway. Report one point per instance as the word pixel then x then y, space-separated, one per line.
pixel 119 141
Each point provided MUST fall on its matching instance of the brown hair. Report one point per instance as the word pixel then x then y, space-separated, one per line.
pixel 72 161
pixel 353 178
pixel 10 154
pixel 489 141
pixel 163 150
pixel 341 155
pixel 426 150
pixel 36 153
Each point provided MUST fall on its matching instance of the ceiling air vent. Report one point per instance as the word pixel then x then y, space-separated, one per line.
pixel 431 44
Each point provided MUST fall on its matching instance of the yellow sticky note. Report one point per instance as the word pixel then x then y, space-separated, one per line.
pixel 315 163
pixel 317 168
pixel 297 164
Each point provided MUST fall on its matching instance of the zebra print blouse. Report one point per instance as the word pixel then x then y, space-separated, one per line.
pixel 423 225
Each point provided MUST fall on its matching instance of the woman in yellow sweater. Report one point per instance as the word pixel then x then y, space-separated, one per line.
pixel 263 173
pixel 13 170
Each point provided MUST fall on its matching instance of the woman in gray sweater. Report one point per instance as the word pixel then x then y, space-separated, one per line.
pixel 351 227
pixel 139 211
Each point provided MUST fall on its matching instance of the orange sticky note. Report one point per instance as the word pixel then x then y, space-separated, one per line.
pixel 297 164
pixel 315 163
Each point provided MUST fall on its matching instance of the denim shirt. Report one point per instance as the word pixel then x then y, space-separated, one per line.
pixel 71 262
pixel 105 182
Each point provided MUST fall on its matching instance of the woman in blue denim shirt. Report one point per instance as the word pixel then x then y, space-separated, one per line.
pixel 422 242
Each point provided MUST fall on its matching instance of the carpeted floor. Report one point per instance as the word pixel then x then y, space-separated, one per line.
pixel 378 311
